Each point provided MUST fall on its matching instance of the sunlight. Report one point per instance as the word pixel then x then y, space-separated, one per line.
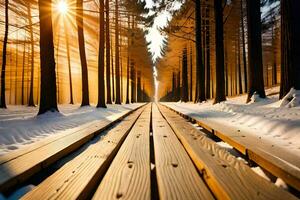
pixel 62 7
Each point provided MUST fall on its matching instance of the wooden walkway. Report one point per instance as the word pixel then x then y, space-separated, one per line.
pixel 152 153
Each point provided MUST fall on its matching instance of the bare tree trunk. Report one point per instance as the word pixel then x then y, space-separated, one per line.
pixel 199 62
pixel 255 65
pixel 191 74
pixel 128 63
pixel 133 81
pixel 118 97
pixel 220 81
pixel 184 89
pixel 107 42
pixel 16 72
pixel 244 48
pixel 112 72
pixel 57 66
pixel 2 99
pixel 69 62
pixel 239 65
pixel 207 54
pixel 84 70
pixel 31 101
pixel 23 72
pixel 290 59
pixel 101 82
pixel 274 67
pixel 48 100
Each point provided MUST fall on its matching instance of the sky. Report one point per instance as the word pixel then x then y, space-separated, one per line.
pixel 154 36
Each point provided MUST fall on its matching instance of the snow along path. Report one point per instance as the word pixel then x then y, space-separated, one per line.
pixel 264 119
pixel 20 127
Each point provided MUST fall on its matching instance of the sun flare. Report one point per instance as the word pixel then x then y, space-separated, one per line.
pixel 62 7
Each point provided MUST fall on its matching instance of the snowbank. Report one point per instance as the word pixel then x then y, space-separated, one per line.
pixel 19 125
pixel 264 118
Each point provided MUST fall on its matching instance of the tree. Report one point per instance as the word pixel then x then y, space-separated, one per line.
pixel 128 61
pixel 255 65
pixel 107 46
pixel 191 74
pixel 290 57
pixel 118 96
pixel 200 73
pixel 101 88
pixel 2 99
pixel 244 47
pixel 31 101
pixel 69 61
pixel 48 101
pixel 207 42
pixel 184 89
pixel 219 38
pixel 84 70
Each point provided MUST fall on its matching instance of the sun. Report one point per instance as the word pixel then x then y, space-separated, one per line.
pixel 62 7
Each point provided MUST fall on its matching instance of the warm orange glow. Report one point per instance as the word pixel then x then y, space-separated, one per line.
pixel 62 7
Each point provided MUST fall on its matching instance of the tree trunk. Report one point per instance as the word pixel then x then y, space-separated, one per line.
pixel 69 62
pixel 207 54
pixel 118 97
pixel 173 86
pixel 199 62
pixel 255 65
pixel 290 58
pixel 128 63
pixel 112 72
pixel 244 48
pixel 2 99
pixel 48 101
pixel 274 68
pixel 139 93
pixel 107 42
pixel 191 74
pixel 184 89
pixel 31 101
pixel 133 88
pixel 23 71
pixel 16 72
pixel 220 80
pixel 239 65
pixel 57 65
pixel 84 69
pixel 101 82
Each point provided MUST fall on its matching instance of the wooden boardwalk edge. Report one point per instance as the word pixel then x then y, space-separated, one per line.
pixel 227 177
pixel 276 166
pixel 21 168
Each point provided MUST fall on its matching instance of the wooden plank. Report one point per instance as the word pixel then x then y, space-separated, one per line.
pixel 22 167
pixel 77 178
pixel 177 177
pixel 128 177
pixel 227 177
pixel 277 160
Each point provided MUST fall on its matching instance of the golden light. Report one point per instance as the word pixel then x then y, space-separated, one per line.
pixel 62 7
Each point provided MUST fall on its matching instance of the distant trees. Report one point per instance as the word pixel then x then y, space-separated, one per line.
pixel 2 98
pixel 84 69
pixel 290 49
pixel 48 101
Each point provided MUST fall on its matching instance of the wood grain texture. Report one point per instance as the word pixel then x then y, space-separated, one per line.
pixel 77 178
pixel 275 159
pixel 227 177
pixel 177 177
pixel 128 177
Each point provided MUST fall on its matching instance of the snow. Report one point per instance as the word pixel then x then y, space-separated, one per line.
pixel 264 118
pixel 20 126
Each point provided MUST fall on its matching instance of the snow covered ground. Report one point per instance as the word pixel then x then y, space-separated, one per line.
pixel 19 125
pixel 265 118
